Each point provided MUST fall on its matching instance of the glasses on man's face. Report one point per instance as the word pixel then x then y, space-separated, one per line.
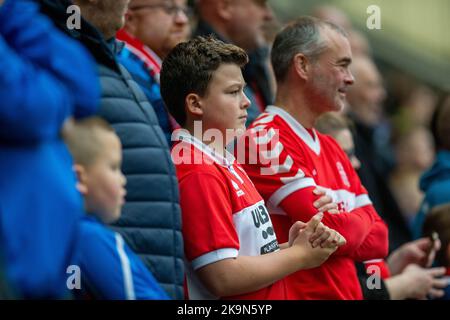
pixel 169 8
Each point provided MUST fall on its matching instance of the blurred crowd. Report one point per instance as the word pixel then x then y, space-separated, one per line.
pixel 86 174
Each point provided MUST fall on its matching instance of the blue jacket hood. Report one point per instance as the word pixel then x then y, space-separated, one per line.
pixel 438 172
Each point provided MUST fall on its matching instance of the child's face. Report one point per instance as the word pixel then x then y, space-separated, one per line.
pixel 104 180
pixel 224 104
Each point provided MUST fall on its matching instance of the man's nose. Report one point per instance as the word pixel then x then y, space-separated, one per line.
pixel 349 78
pixel 181 16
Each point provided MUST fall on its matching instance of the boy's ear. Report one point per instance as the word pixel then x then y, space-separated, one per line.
pixel 225 9
pixel 302 65
pixel 80 172
pixel 194 104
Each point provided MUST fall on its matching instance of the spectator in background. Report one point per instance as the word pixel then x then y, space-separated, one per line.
pixel 242 23
pixel 416 107
pixel 372 145
pixel 46 79
pixel 414 152
pixel 151 218
pixel 108 267
pixel 311 61
pixel 339 127
pixel 412 142
pixel 271 29
pixel 438 220
pixel 435 182
pixel 407 276
pixel 152 29
pixel 359 43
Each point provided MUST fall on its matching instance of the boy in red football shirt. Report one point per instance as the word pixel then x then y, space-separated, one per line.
pixel 229 239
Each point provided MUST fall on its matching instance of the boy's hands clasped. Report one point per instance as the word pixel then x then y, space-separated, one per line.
pixel 315 240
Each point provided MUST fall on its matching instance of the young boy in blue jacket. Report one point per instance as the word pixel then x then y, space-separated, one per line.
pixel 108 267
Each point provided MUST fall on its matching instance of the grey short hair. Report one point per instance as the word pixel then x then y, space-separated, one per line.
pixel 301 36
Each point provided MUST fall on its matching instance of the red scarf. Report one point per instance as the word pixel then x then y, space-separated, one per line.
pixel 151 60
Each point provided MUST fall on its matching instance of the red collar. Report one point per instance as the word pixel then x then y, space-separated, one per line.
pixel 142 51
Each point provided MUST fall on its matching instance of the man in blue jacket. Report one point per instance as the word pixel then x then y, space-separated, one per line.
pixel 241 23
pixel 46 78
pixel 152 29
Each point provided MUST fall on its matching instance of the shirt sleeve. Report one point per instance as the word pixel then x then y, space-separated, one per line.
pixel 375 245
pixel 111 270
pixel 48 48
pixel 354 226
pixel 34 103
pixel 208 229
pixel 287 185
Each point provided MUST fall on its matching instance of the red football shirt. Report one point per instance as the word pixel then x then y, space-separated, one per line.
pixel 286 163
pixel 223 214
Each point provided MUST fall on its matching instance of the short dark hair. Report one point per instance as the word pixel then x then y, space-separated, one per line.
pixel 83 139
pixel 438 220
pixel 300 36
pixel 189 67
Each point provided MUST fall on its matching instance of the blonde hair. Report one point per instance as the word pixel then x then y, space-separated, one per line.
pixel 83 139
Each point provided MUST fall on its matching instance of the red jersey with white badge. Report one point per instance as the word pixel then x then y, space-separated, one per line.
pixel 223 214
pixel 286 163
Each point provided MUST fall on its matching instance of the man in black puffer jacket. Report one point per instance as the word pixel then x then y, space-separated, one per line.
pixel 151 217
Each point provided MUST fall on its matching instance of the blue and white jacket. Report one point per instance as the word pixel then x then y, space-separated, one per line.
pixel 109 269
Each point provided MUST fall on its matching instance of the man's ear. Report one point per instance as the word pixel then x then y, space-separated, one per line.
pixel 225 9
pixel 80 172
pixel 302 65
pixel 194 104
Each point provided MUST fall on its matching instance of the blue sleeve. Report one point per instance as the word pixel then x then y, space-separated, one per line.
pixel 45 78
pixel 46 46
pixel 111 270
pixel 437 194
